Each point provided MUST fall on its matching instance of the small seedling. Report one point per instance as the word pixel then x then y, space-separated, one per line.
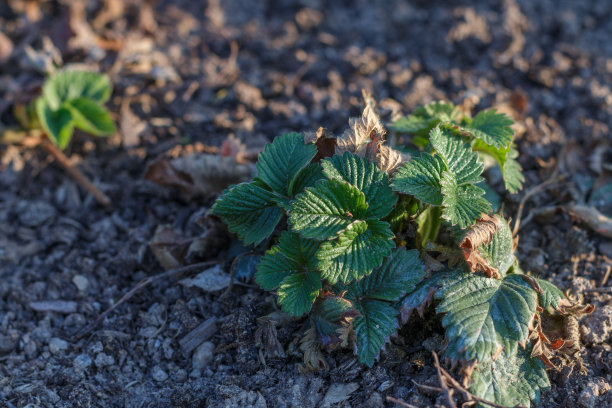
pixel 373 234
pixel 69 100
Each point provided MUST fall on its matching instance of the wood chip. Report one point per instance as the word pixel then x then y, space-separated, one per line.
pixel 59 306
pixel 198 335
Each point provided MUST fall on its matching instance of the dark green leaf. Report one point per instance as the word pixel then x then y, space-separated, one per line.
pixel 249 211
pixel 293 254
pixel 492 128
pixel 505 158
pixel 283 159
pixel 360 248
pixel 463 204
pixel 399 274
pixel 550 295
pixel 330 316
pixel 512 379
pixel 298 291
pixel 421 178
pixel 366 176
pixel 322 211
pixel 461 161
pixel 483 315
pixel 307 177
pixel 376 323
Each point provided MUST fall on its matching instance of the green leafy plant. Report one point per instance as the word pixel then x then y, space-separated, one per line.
pixel 74 99
pixel 361 222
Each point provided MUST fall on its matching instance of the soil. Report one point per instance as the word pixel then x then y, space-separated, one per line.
pixel 189 72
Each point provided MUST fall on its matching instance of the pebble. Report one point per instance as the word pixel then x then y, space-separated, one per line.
pixel 80 282
pixel 7 344
pixel 202 356
pixel 57 345
pixel 82 362
pixel 158 374
pixel 103 360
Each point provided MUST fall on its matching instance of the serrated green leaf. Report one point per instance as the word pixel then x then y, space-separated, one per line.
pixel 460 160
pixel 425 118
pixel 463 204
pixel 399 274
pixel 359 249
pixel 307 177
pixel 510 380
pixel 550 295
pixel 58 124
pixel 293 254
pixel 505 158
pixel 366 176
pixel 482 314
pixel 67 85
pixel 422 295
pixel 330 314
pixel 283 159
pixel 421 178
pixel 499 252
pixel 249 211
pixel 320 212
pixel 90 117
pixel 376 323
pixel 298 291
pixel 492 128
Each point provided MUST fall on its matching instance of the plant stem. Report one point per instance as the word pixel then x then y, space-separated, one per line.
pixel 79 177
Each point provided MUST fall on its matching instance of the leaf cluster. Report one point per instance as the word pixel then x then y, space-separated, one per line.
pixel 360 230
pixel 74 99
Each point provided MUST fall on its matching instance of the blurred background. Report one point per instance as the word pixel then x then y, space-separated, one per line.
pixel 220 78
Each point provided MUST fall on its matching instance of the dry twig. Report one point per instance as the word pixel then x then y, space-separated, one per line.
pixel 400 402
pixel 530 193
pixel 74 172
pixel 140 285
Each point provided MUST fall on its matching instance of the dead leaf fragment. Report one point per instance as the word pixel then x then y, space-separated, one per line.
pixel 169 247
pixel 210 280
pixel 388 159
pixel 362 130
pixel 480 234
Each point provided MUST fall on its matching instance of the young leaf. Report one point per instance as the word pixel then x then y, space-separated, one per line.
pixel 90 117
pixel 360 248
pixel 461 161
pixel 399 274
pixel 331 316
pixel 58 124
pixel 67 85
pixel 463 204
pixel 292 255
pixel 421 178
pixel 483 315
pixel 249 211
pixel 511 379
pixel 366 176
pixel 425 118
pixel 373 327
pixel 298 291
pixel 322 211
pixel 282 159
pixel 492 128
pixel 505 158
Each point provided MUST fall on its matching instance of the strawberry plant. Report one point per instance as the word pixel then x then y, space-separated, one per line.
pixel 70 99
pixel 371 234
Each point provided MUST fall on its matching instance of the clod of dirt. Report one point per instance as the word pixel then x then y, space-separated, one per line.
pixel 597 327
pixel 589 397
pixel 202 356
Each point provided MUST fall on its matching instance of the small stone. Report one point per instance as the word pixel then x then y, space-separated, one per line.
pixel 103 360
pixel 202 356
pixel 57 345
pixel 158 374
pixel 179 375
pixel 7 344
pixel 80 282
pixel 82 362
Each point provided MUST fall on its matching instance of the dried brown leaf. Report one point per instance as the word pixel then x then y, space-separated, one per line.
pixel 479 234
pixel 361 130
pixel 169 247
pixel 388 159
